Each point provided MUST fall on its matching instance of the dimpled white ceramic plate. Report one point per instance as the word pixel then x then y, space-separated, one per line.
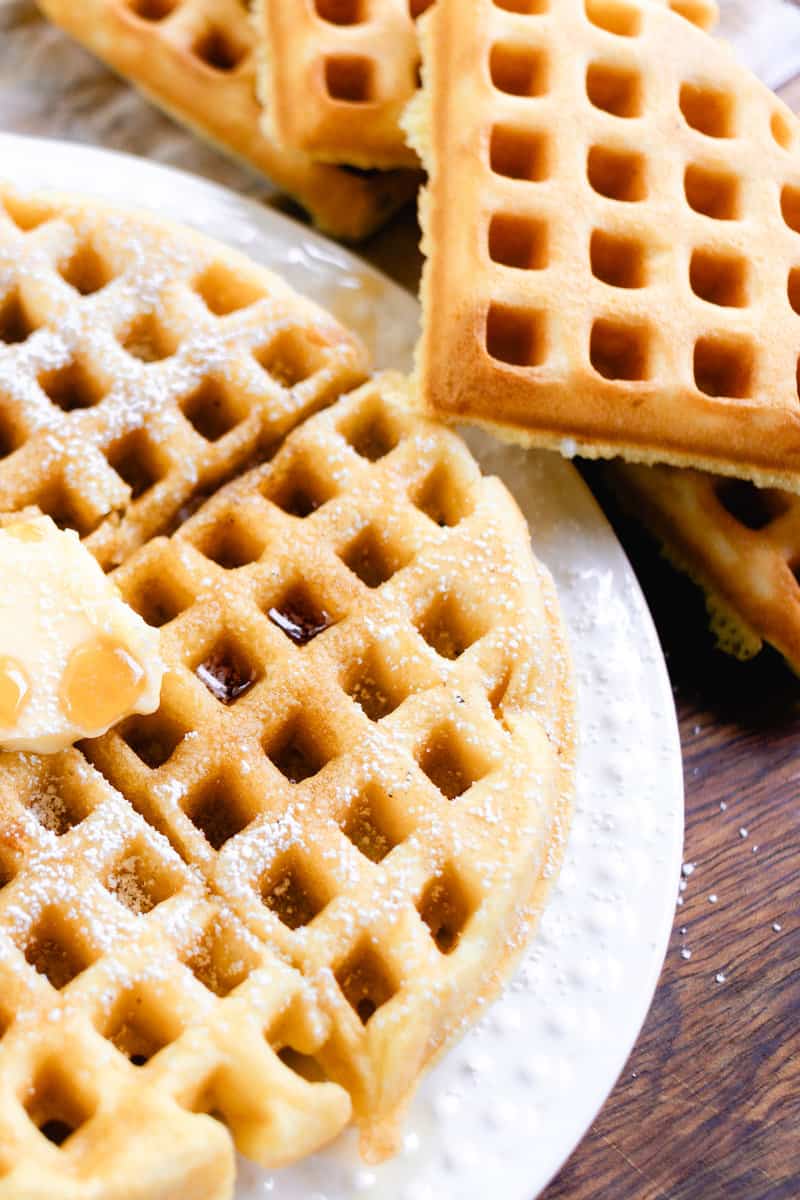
pixel 503 1109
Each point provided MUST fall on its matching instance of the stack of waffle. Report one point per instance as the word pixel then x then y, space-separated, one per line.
pixel 308 92
pixel 198 60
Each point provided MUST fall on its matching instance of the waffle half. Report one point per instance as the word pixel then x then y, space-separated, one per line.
pixel 275 900
pixel 196 60
pixel 622 274
pixel 740 543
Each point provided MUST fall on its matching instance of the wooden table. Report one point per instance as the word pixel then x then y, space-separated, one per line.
pixel 708 1107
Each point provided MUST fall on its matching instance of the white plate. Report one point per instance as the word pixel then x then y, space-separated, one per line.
pixel 507 1105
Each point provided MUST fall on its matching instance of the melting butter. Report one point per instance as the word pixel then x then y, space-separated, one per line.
pixel 14 690
pixel 74 658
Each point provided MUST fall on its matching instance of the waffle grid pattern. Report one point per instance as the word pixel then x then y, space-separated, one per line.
pixel 662 342
pixel 307 757
pixel 139 370
pixel 196 59
pixel 131 1000
pixel 291 873
pixel 739 542
pixel 337 75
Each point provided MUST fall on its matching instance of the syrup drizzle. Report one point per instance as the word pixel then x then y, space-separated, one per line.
pixel 298 623
pixel 224 678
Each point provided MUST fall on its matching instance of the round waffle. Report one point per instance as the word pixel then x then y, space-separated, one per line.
pixel 276 899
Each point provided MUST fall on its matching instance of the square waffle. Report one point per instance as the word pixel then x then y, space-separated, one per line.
pixel 276 899
pixel 336 74
pixel 622 274
pixel 740 543
pixel 196 60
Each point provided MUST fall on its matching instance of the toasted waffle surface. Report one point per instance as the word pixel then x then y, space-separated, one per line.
pixel 196 59
pixel 703 13
pixel 277 898
pixel 133 1003
pixel 739 542
pixel 629 286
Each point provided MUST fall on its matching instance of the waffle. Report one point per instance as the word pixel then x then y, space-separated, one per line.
pixel 622 277
pixel 739 542
pixel 135 1008
pixel 336 74
pixel 140 365
pixel 196 60
pixel 365 726
pixel 276 899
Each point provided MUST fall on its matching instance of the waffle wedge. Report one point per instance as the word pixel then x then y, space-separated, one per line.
pixel 134 1006
pixel 741 544
pixel 196 60
pixel 336 74
pixel 140 365
pixel 277 898
pixel 622 274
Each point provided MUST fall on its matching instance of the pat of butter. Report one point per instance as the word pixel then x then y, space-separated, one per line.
pixel 74 658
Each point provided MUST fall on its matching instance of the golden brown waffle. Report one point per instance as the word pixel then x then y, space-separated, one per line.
pixel 612 236
pixel 739 542
pixel 278 897
pixel 141 364
pixel 196 60
pixel 337 73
